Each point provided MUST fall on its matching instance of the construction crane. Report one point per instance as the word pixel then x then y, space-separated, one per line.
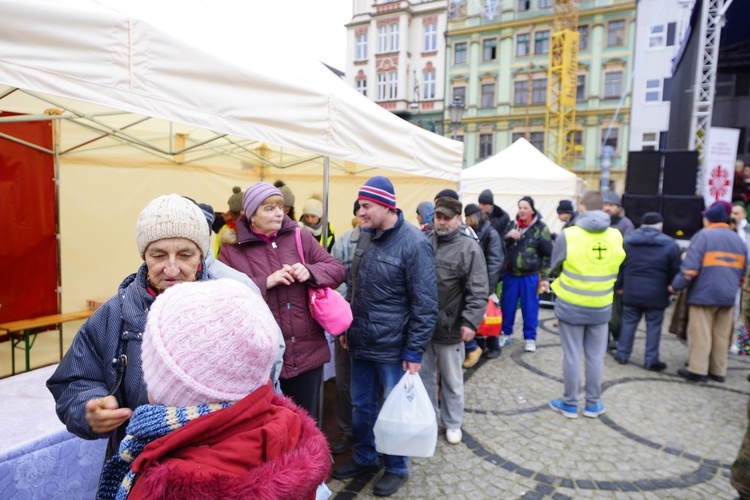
pixel 561 84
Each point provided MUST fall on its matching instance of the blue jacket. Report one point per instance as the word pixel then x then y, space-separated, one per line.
pixel 713 268
pixel 395 301
pixel 86 370
pixel 652 259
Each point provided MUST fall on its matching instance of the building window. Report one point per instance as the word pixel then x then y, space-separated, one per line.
pixel 516 136
pixel 522 44
pixel 361 46
pixel 382 38
pixel 537 140
pixel 612 84
pixel 577 143
pixel 430 37
pixel 393 85
pixel 583 37
pixel 382 86
pixel 539 91
pixel 429 85
pixel 520 93
pixel 490 8
pixel 612 139
pixel 541 42
pixel 459 94
pixel 488 95
pixel 362 86
pixel 489 49
pixel 649 142
pixel 394 37
pixel 666 89
pixel 485 146
pixel 460 53
pixel 615 33
pixel 671 32
pixel 524 5
pixel 653 90
pixel 545 4
pixel 581 88
pixel 657 36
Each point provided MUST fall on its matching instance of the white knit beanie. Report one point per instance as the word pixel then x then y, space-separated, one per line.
pixel 172 216
pixel 207 342
pixel 313 207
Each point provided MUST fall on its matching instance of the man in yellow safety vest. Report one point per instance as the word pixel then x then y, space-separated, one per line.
pixel 586 260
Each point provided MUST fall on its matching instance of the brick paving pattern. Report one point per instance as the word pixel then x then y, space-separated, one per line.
pixel 661 437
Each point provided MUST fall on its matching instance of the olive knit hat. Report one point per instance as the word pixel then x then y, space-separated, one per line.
pixel 235 201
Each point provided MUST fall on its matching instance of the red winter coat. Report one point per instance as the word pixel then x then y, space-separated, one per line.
pixel 306 344
pixel 262 447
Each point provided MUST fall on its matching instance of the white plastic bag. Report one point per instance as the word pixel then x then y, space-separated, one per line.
pixel 406 425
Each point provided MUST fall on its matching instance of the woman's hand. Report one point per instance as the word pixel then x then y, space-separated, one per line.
pixel 104 414
pixel 281 277
pixel 300 272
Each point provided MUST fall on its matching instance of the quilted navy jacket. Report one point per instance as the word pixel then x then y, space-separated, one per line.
pixel 86 370
pixel 395 301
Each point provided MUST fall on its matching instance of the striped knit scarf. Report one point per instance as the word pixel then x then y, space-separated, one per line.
pixel 149 422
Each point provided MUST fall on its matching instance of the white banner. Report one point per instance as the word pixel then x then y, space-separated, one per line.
pixel 718 164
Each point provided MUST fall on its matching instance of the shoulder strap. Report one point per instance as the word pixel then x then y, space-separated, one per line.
pixel 362 244
pixel 299 244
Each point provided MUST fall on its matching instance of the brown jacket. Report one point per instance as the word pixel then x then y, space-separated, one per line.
pixel 306 344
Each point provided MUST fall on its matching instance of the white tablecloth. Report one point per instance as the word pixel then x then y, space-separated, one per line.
pixel 38 457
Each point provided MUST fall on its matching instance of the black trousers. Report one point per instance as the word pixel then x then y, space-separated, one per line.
pixel 304 389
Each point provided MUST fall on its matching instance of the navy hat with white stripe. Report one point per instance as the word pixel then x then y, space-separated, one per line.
pixel 379 190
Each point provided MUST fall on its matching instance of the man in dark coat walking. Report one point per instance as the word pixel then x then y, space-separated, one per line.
pixel 499 218
pixel 652 260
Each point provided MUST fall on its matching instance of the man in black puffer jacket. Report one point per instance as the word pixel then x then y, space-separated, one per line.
pixel 499 218
pixel 651 262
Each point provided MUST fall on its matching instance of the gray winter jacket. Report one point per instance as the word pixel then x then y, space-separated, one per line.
pixel 461 283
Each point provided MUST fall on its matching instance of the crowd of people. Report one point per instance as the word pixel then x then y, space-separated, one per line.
pixel 205 349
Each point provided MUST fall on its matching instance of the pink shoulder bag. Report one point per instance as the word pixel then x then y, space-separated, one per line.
pixel 327 306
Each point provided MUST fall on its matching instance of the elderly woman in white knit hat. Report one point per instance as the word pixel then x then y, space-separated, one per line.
pixel 312 214
pixel 99 382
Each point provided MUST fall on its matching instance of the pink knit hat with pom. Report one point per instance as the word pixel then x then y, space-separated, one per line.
pixel 207 342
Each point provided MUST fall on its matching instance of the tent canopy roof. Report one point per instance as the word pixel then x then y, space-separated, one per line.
pixel 188 89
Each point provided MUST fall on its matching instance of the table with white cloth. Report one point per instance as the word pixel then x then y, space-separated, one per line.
pixel 39 458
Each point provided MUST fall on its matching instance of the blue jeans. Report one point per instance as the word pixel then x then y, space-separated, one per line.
pixel 368 378
pixel 524 288
pixel 631 315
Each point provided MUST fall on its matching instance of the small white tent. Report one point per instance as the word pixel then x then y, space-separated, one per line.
pixel 145 104
pixel 522 170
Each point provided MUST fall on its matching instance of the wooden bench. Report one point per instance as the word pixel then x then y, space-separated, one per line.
pixel 25 330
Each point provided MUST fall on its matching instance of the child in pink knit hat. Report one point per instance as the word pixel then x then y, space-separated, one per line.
pixel 215 428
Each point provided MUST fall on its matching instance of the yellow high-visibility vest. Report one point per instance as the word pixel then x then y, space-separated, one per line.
pixel 590 267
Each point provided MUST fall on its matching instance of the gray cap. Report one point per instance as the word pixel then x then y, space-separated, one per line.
pixel 612 197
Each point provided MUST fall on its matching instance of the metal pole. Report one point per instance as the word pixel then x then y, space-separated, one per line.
pixel 326 166
pixel 607 152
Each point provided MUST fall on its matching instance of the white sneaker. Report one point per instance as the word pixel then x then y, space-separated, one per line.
pixel 504 340
pixel 530 345
pixel 453 436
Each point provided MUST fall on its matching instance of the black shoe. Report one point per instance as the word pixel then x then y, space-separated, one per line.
pixel 353 469
pixel 493 353
pixel 389 484
pixel 690 376
pixel 657 367
pixel 716 378
pixel 342 445
pixel 618 358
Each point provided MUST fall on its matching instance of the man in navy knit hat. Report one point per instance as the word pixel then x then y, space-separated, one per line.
pixel 394 304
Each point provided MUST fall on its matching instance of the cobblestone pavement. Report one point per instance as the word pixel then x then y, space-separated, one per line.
pixel 661 437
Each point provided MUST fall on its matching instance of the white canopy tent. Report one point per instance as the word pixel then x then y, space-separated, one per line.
pixel 146 104
pixel 522 170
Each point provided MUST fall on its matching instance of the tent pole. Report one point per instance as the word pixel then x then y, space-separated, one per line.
pixel 326 165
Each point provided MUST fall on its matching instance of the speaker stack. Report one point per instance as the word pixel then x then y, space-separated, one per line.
pixel 664 182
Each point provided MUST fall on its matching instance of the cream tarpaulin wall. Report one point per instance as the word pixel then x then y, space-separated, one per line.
pixel 142 109
pixel 522 170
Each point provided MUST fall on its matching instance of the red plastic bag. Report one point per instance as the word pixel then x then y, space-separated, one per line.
pixel 492 322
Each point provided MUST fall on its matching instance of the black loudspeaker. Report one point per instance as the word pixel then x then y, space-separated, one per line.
pixel 636 205
pixel 644 172
pixel 680 173
pixel 682 215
